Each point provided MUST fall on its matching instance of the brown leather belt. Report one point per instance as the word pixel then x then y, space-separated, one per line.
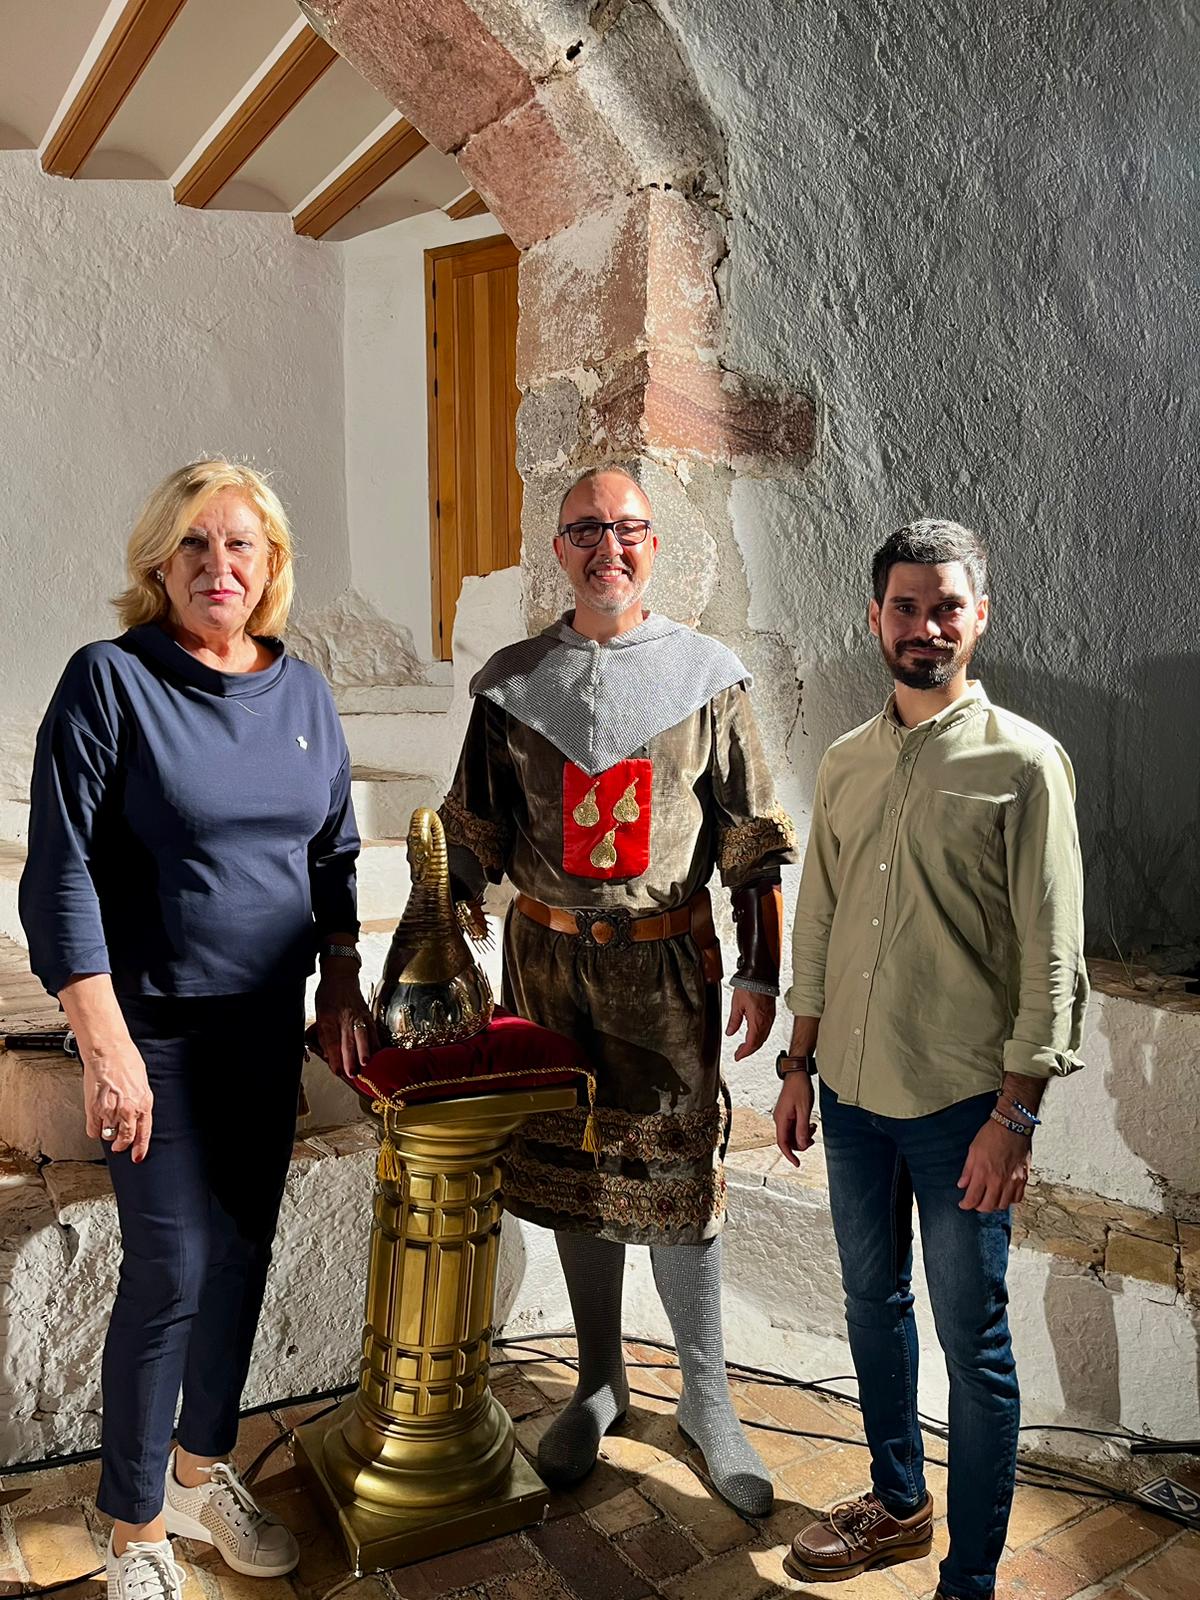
pixel 614 925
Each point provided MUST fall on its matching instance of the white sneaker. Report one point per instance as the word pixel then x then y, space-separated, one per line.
pixel 144 1572
pixel 223 1512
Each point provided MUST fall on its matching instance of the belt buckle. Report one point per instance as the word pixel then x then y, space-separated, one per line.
pixel 618 919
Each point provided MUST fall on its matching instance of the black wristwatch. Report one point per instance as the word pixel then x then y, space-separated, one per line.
pixel 785 1064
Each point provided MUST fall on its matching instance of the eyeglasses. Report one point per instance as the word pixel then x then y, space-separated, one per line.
pixel 587 535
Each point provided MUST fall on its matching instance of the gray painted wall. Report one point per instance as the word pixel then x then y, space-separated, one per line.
pixel 972 232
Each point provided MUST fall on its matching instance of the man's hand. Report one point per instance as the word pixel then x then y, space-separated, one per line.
pixel 757 1011
pixel 794 1126
pixel 996 1170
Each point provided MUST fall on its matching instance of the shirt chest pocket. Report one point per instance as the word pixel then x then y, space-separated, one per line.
pixel 951 831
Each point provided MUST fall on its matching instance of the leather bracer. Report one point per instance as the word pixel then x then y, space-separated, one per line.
pixel 758 920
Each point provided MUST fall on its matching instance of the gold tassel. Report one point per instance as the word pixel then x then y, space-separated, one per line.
pixel 591 1131
pixel 388 1168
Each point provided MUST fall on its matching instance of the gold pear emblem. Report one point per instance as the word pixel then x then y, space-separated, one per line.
pixel 605 853
pixel 627 808
pixel 587 812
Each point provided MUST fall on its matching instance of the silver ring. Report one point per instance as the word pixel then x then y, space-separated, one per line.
pixel 355 1028
pixel 108 1133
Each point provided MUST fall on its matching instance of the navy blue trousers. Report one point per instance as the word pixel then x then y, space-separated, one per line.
pixel 197 1221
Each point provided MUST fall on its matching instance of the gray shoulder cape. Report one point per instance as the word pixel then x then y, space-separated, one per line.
pixel 598 703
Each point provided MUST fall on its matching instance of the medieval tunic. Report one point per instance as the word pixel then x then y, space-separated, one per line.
pixel 614 778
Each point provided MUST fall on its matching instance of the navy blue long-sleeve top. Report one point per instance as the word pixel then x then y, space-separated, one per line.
pixel 191 831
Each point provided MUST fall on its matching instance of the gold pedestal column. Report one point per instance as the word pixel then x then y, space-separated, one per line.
pixel 422 1459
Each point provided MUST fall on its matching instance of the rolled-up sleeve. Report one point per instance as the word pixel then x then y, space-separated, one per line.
pixel 1045 890
pixel 332 861
pixel 60 909
pixel 815 906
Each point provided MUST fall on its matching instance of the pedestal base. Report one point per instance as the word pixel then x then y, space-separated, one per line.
pixel 375 1541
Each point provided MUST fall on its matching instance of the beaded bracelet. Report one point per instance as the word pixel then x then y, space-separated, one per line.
pixel 1013 1127
pixel 1023 1111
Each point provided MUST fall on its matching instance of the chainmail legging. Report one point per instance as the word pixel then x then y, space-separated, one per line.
pixel 688 1279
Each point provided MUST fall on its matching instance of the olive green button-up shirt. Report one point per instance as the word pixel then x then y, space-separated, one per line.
pixel 939 927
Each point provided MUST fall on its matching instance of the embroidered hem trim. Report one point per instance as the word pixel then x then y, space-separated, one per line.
pixel 659 1137
pixel 669 1204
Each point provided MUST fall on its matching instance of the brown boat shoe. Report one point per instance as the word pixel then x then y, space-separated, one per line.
pixel 855 1536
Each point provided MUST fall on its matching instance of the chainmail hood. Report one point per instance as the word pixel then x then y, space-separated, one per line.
pixel 598 703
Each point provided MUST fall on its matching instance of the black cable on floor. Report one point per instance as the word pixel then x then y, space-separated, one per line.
pixel 1078 1484
pixel 1071 1482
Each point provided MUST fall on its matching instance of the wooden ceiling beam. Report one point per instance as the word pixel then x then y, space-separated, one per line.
pixel 467 205
pixel 138 30
pixel 382 159
pixel 277 92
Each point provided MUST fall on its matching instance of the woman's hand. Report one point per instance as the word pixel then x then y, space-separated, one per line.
pixel 117 1098
pixel 344 1024
pixel 117 1095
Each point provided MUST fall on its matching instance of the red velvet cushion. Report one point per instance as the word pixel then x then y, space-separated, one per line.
pixel 527 1057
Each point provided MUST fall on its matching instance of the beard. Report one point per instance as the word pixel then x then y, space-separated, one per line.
pixel 610 602
pixel 927 671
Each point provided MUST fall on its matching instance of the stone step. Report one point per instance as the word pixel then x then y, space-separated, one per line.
pixel 405 742
pixel 384 801
pixel 395 699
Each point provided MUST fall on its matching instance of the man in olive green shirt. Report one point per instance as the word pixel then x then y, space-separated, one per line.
pixel 938 976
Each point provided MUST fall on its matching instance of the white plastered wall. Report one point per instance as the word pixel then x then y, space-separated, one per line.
pixel 386 409
pixel 138 335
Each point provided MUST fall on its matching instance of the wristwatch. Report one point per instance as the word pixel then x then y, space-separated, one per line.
pixel 785 1064
pixel 344 952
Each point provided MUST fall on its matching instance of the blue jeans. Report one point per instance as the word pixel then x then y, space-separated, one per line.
pixel 876 1167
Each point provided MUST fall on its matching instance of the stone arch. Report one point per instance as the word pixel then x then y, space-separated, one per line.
pixel 582 128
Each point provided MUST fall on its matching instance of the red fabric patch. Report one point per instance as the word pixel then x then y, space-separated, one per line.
pixel 522 1054
pixel 606 820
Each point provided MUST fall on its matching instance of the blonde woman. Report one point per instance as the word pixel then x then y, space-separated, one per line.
pixel 191 854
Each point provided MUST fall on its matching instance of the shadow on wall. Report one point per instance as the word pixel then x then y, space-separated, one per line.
pixel 1137 767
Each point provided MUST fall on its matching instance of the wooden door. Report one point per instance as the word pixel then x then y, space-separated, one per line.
pixel 474 486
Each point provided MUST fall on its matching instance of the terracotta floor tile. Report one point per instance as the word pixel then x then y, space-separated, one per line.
pixel 587 1562
pixel 1033 1575
pixel 56 1545
pixel 921 1577
pixel 621 1512
pixel 460 1569
pixel 1173 1574
pixel 539 1583
pixel 676 1489
pixel 806 1412
pixel 1037 1512
pixel 1105 1541
pixel 829 1476
pixel 739 1575
pixel 659 1550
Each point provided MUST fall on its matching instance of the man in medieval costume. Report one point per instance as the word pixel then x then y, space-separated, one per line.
pixel 610 764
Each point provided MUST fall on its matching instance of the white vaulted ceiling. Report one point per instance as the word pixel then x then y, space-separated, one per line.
pixel 236 103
